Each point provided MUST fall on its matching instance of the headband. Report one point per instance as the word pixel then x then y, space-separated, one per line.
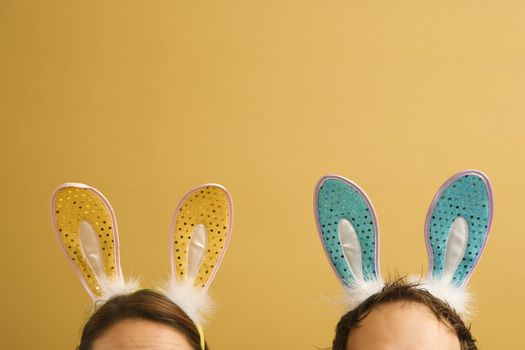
pixel 456 231
pixel 86 228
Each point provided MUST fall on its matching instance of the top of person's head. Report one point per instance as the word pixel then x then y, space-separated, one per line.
pixel 404 312
pixel 146 306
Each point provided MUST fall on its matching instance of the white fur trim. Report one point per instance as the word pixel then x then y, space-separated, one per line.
pixel 194 301
pixel 117 286
pixel 457 297
pixel 360 290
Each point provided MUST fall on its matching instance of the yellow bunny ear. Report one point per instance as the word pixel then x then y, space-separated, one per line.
pixel 200 232
pixel 87 230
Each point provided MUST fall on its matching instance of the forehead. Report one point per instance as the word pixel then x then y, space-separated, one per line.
pixel 402 326
pixel 135 334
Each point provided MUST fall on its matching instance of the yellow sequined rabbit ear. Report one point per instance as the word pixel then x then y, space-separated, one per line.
pixel 199 236
pixel 86 227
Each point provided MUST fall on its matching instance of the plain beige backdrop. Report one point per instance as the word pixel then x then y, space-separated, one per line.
pixel 147 99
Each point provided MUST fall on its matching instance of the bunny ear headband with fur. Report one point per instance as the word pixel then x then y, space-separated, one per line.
pixel 456 231
pixel 86 228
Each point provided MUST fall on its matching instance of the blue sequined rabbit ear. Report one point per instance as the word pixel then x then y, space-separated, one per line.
pixel 457 227
pixel 348 230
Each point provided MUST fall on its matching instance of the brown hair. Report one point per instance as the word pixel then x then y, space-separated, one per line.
pixel 143 304
pixel 400 290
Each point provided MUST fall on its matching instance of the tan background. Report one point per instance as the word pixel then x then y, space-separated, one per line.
pixel 147 99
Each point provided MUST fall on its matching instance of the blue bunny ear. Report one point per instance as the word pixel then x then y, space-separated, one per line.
pixel 348 229
pixel 457 226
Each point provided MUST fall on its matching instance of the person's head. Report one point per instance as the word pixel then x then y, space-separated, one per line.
pixel 402 316
pixel 142 320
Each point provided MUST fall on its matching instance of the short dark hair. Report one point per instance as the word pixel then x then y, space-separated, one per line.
pixel 143 304
pixel 400 290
